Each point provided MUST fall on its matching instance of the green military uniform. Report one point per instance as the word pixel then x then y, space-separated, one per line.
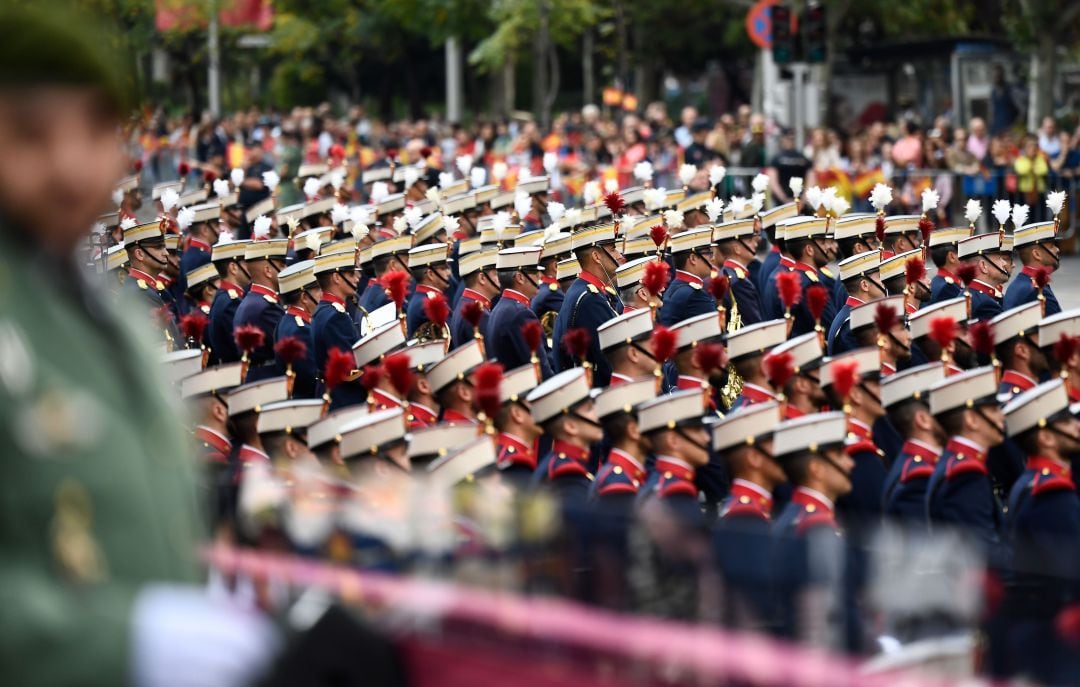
pixel 97 484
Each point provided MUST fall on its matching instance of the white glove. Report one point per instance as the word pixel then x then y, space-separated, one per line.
pixel 182 638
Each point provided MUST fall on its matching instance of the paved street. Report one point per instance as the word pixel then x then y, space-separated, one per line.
pixel 1066 282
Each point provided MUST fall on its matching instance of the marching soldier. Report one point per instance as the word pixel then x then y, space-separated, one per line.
pixel 901 235
pixel 960 493
pixel 591 300
pixel 960 354
pixel 746 349
pixel 431 274
pixel 628 282
pixel 993 265
pixel 331 326
pixel 518 431
pixel 372 354
pixel 1016 346
pixel 452 384
pixel 800 385
pixel 201 236
pixel 228 258
pixel 300 293
pixel 549 298
pixel 946 283
pixel 690 334
pixel 518 271
pixel 423 409
pixel 202 286
pixel 854 235
pixel 261 305
pixel 563 406
pixel 173 285
pixel 1064 359
pixel 282 428
pixel 734 247
pixel 893 273
pixel 477 271
pixel 862 282
pixel 893 344
pixel 674 429
pixel 385 256
pixel 622 472
pixel 1042 525
pixel 804 239
pixel 146 252
pixel 1036 244
pixel 686 296
pixel 624 342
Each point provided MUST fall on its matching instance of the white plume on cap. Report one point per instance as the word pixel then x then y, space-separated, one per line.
pixel 221 188
pixel 337 179
pixel 311 187
pixel 714 209
pixel 499 222
pixel 313 240
pixel 412 175
pixel 236 176
pixel 98 228
pixel 445 179
pixel 117 196
pixel 973 210
pixel 717 174
pixel 673 219
pixel 837 205
pixel 881 196
pixel 1055 201
pixel 271 179
pixel 523 204
pixel 795 184
pixel 654 198
pixel 1019 215
pixel 814 197
pixel 687 173
pixel 551 161
pixel 499 171
pixel 450 224
pixel 127 223
pixel 643 171
pixel 555 210
pixel 225 236
pixel 339 213
pixel 737 204
pixel 413 216
pixel 359 230
pixel 261 228
pixel 551 230
pixel 464 164
pixel 611 185
pixel 169 199
pixel 591 192
pixel 477 177
pixel 433 195
pixel 379 191
pixel 760 183
pixel 572 217
pixel 184 218
pixel 360 214
pixel 1001 210
pixel 401 225
pixel 930 199
pixel 757 202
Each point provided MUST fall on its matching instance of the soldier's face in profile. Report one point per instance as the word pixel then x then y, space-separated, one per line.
pixel 62 154
pixel 838 470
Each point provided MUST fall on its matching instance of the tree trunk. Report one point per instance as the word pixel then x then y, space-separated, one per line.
pixel 1044 73
pixel 540 64
pixel 622 53
pixel 588 86
pixel 834 15
pixel 509 87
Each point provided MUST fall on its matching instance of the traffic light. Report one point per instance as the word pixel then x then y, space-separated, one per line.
pixel 813 33
pixel 783 41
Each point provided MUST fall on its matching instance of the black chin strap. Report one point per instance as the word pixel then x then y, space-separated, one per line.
pixel 978 411
pixel 995 266
pixel 686 437
pixel 581 418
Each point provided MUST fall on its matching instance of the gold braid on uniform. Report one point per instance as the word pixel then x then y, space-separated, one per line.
pixel 733 383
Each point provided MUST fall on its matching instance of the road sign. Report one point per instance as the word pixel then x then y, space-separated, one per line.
pixel 758 24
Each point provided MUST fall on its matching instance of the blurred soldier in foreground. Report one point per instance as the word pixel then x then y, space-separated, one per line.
pixel 98 563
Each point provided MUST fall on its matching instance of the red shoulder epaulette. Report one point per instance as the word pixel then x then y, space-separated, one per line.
pixel 862 446
pixel 1042 484
pixel 811 520
pixel 673 487
pixel 616 488
pixel 962 466
pixel 912 470
pixel 564 468
pixel 742 510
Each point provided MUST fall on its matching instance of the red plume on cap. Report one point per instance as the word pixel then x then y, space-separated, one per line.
pixel 844 374
pixel 339 365
pixel 779 368
pixel 658 234
pixel 398 368
pixel 391 154
pixel 437 310
pixel 472 311
pixel 914 271
pixel 183 169
pixel 664 342
pixel 209 175
pixel 790 287
pixel 655 279
pixel 614 202
pixel 885 318
pixel 576 342
pixel 926 225
pixel 396 284
pixel 289 349
pixel 532 332
pixel 193 325
pixel 967 273
pixel 1065 348
pixel 943 331
pixel 425 152
pixel 248 337
pixel 137 165
pixel 710 357
pixel 1067 625
pixel 817 297
pixel 488 383
pixel 337 151
pixel 372 376
pixel 879 227
pixel 718 287
pixel 1041 277
pixel 982 337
